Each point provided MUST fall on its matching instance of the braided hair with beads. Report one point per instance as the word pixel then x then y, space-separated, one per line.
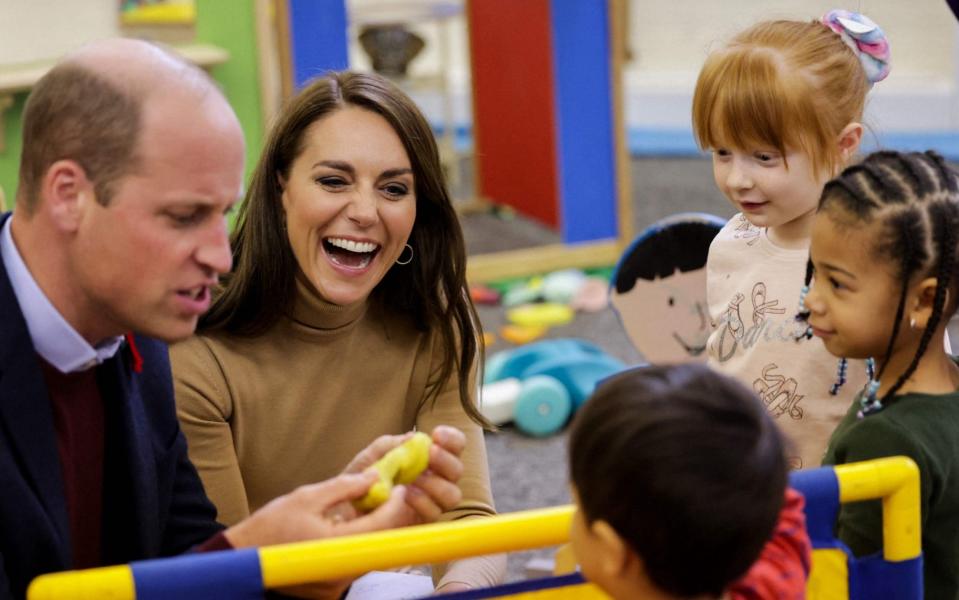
pixel 916 198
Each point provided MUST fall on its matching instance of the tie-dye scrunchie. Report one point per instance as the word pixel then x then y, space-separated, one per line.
pixel 865 38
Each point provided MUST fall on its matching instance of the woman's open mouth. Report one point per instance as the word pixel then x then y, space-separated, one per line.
pixel 349 253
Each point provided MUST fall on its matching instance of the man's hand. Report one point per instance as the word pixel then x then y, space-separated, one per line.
pixel 308 513
pixel 304 514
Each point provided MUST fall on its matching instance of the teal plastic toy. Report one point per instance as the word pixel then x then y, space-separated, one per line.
pixel 556 376
pixel 542 407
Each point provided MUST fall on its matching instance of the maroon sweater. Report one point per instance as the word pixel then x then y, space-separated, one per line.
pixel 80 423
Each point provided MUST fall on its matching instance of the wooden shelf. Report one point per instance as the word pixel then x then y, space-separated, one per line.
pixel 17 78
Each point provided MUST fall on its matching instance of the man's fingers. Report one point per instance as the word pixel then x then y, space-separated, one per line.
pixel 339 489
pixel 375 451
pixel 395 512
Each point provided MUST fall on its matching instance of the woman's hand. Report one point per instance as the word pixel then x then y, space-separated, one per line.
pixel 435 491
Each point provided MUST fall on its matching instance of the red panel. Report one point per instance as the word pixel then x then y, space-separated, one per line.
pixel 514 105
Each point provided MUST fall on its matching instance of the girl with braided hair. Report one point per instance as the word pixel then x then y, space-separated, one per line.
pixel 883 275
pixel 780 108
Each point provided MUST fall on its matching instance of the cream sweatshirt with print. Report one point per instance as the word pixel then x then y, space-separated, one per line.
pixel 753 295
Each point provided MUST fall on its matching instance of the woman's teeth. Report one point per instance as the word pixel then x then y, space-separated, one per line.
pixel 348 253
pixel 351 246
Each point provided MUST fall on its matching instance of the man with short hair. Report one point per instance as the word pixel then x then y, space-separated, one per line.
pixel 131 158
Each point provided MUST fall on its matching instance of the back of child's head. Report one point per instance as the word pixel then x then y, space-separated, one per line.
pixel 785 85
pixel 688 468
pixel 915 198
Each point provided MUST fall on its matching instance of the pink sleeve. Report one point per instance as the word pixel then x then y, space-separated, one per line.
pixel 782 568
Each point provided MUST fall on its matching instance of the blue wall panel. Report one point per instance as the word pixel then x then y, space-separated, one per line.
pixel 319 43
pixel 587 159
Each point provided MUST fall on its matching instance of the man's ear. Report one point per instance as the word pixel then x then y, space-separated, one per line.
pixel 925 295
pixel 617 558
pixel 65 192
pixel 849 139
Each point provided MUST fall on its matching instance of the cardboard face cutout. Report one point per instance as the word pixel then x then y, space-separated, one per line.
pixel 659 288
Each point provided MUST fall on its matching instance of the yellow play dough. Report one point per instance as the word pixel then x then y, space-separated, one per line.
pixel 401 465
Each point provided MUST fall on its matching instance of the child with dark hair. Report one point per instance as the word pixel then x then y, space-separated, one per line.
pixel 678 475
pixel 884 284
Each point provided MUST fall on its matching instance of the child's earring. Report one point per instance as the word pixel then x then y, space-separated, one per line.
pixel 869 402
pixel 803 315
pixel 912 322
pixel 840 376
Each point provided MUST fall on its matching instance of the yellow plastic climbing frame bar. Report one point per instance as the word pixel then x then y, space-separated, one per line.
pixel 896 481
pixel 290 564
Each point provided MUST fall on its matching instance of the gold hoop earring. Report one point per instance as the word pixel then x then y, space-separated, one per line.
pixel 408 260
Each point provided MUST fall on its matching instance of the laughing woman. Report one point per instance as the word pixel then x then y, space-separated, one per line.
pixel 345 316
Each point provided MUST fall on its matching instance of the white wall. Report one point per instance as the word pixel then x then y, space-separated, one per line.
pixel 31 30
pixel 670 40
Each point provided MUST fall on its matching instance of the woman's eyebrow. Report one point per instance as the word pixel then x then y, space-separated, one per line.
pixel 396 172
pixel 336 164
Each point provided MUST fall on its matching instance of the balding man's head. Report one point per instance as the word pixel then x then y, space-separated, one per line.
pixel 140 68
pixel 89 109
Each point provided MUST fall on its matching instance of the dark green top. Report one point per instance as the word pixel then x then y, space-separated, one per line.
pixel 924 427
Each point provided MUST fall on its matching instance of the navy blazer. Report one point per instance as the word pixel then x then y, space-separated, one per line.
pixel 154 503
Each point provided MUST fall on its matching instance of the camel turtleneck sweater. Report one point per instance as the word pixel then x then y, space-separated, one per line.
pixel 293 406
